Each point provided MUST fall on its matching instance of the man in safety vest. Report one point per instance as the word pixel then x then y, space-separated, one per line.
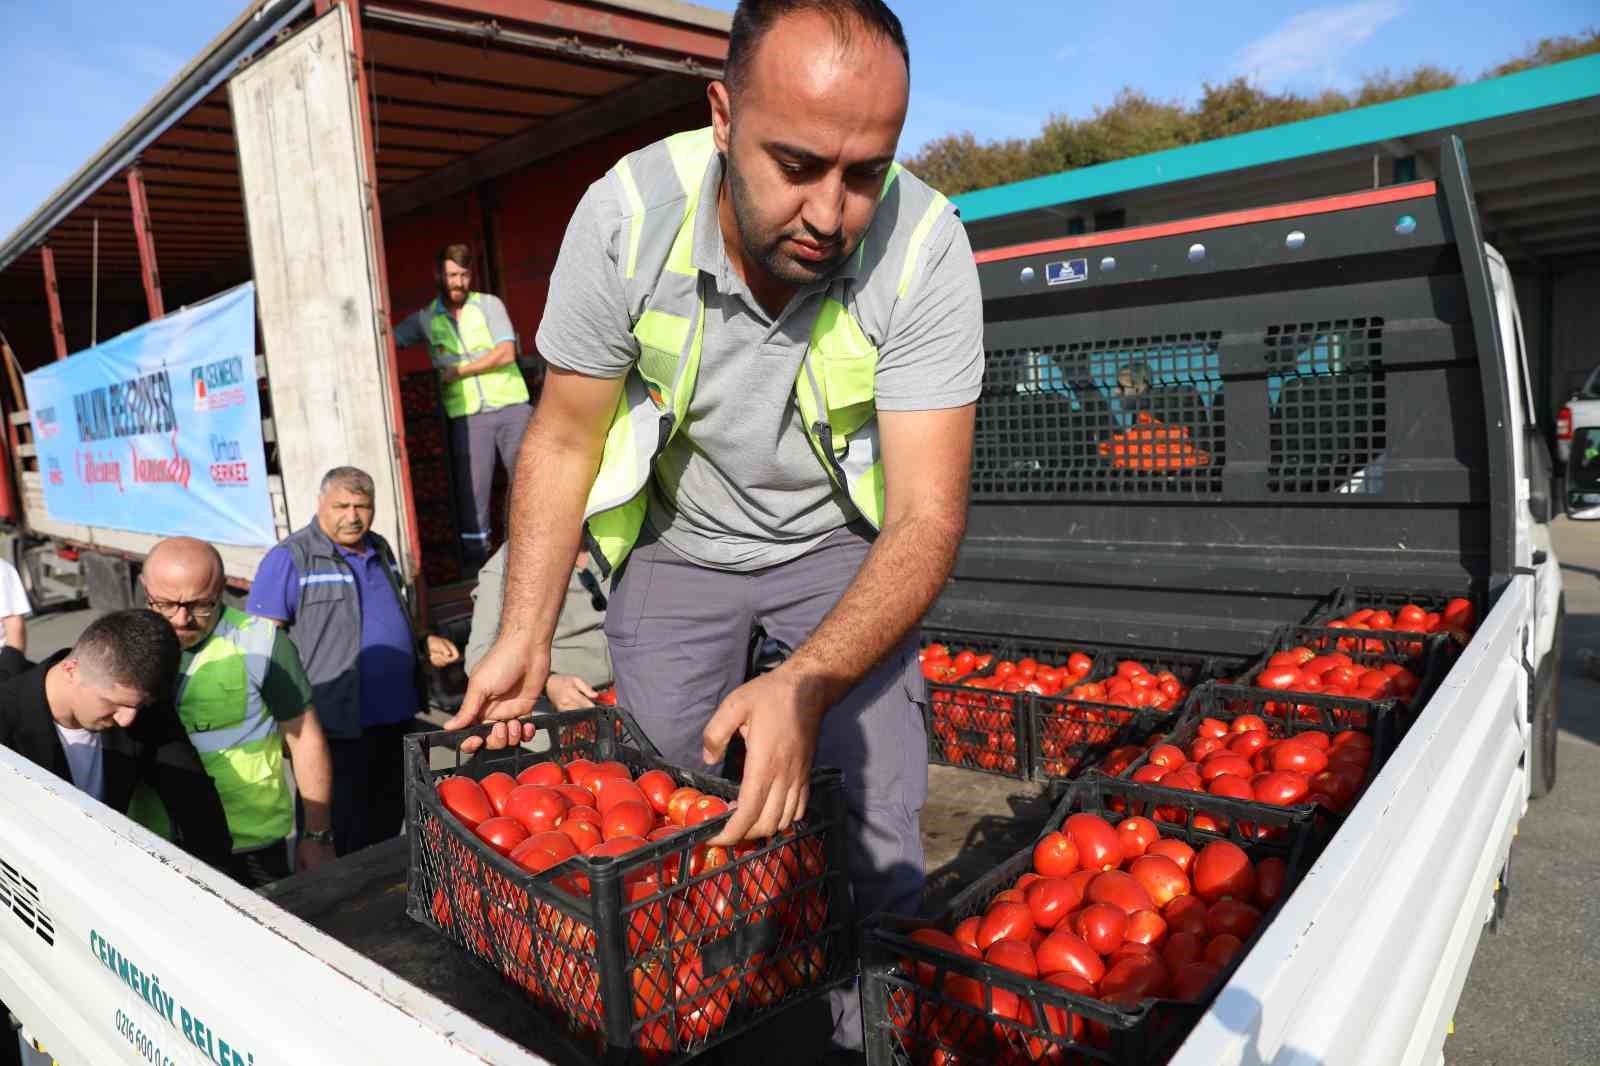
pixel 474 349
pixel 242 695
pixel 765 348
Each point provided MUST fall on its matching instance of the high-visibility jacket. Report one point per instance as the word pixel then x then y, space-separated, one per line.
pixel 219 701
pixel 835 388
pixel 454 341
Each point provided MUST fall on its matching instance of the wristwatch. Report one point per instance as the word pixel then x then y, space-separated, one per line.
pixel 321 836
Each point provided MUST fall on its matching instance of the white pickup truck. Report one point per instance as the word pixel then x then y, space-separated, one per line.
pixel 1355 369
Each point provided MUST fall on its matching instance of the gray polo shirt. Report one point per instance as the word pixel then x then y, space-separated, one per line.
pixel 739 488
pixel 413 329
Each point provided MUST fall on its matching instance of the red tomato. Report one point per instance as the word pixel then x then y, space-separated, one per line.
pixel 679 802
pixel 1055 855
pixel 1459 614
pixel 575 795
pixel 1167 756
pixel 1010 955
pixel 1213 727
pixel 1130 981
pixel 1065 952
pixel 1119 889
pixel 1101 926
pixel 1204 746
pixel 1232 916
pixel 1174 849
pixel 1223 949
pixel 497 786
pixel 658 787
pixel 1223 869
pixel 583 832
pixel 1247 723
pixel 1079 664
pixel 1136 835
pixel 543 773
pixel 629 818
pixel 1049 899
pixel 610 791
pixel 1006 920
pixel 1279 677
pixel 1025 880
pixel 465 798
pixel 1182 948
pixel 1247 744
pixel 536 807
pixel 1186 914
pixel 704 809
pixel 1227 762
pixel 1191 980
pixel 1146 927
pixel 1282 788
pixel 501 834
pixel 966 936
pixel 925 972
pixel 1148 774
pixel 543 850
pixel 1298 755
pixel 1232 787
pixel 1097 843
pixel 1160 877
pixel 1270 876
pixel 703 1008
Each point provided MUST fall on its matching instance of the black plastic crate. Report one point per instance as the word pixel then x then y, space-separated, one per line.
pixel 1321 714
pixel 1067 735
pixel 951 1016
pixel 1353 598
pixel 635 969
pixel 1425 655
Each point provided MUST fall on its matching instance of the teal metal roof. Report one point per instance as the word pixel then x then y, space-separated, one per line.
pixel 1529 90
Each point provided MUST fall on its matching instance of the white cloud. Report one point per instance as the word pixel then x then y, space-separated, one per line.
pixel 1070 51
pixel 1313 48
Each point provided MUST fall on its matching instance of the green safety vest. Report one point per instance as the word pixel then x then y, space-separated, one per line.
pixel 453 341
pixel 219 701
pixel 836 386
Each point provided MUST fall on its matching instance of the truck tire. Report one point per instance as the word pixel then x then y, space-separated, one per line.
pixel 1546 717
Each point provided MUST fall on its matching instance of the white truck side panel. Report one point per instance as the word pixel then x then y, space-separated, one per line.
pixel 258 981
pixel 296 120
pixel 1366 960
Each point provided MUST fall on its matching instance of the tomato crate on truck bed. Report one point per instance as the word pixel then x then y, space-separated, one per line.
pixel 1352 598
pixel 655 955
pixel 925 1005
pixel 1423 658
pixel 1329 716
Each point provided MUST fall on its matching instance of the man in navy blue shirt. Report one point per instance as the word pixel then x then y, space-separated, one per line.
pixel 336 588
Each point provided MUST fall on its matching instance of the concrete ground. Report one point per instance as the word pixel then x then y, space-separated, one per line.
pixel 1528 1000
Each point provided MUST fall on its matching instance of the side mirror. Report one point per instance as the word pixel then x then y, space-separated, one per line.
pixel 1583 476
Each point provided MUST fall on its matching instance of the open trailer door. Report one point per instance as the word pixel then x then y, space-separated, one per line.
pixel 302 159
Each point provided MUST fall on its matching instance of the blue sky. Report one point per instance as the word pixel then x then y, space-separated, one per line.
pixel 83 67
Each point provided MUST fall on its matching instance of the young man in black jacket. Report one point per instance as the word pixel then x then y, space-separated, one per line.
pixel 99 715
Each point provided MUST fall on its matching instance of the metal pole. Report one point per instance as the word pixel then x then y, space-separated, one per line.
pixel 147 243
pixel 94 286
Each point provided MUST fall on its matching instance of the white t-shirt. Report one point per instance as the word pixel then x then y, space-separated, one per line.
pixel 13 597
pixel 85 758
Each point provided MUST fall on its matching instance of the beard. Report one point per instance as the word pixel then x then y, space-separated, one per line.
pixel 453 297
pixel 766 247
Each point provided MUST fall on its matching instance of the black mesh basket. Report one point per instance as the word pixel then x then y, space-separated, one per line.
pixel 1066 735
pixel 631 960
pixel 1308 714
pixel 1353 598
pixel 963 1010
pixel 1425 655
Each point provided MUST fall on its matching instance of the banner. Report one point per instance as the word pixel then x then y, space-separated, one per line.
pixel 159 430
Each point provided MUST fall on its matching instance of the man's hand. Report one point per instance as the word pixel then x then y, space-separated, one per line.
pixel 441 652
pixel 504 686
pixel 310 854
pixel 779 714
pixel 569 692
pixel 448 375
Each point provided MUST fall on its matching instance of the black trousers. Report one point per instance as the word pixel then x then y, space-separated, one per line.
pixel 262 866
pixel 369 792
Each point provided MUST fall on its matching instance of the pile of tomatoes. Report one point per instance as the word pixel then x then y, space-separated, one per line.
pixel 1242 760
pixel 1065 727
pixel 550 814
pixel 1335 673
pixel 1114 913
pixel 976 724
pixel 1459 618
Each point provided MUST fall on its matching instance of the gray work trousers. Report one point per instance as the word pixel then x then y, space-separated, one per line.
pixel 680 635
pixel 475 441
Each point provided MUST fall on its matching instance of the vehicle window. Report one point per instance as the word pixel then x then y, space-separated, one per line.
pixel 1591 386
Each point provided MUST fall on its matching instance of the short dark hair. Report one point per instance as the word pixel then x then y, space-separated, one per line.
pixel 460 254
pixel 754 18
pixel 136 648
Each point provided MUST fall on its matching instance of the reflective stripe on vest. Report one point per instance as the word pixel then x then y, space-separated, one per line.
pixel 454 341
pixel 834 390
pixel 219 701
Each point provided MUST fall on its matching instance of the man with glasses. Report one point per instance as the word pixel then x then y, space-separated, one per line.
pixel 243 696
pixel 336 588
pixel 580 661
